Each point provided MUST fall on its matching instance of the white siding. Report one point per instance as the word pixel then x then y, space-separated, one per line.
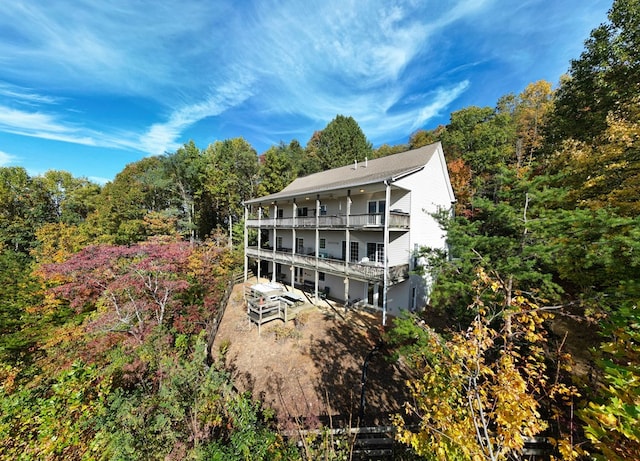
pixel 400 200
pixel 398 298
pixel 430 191
pixel 399 248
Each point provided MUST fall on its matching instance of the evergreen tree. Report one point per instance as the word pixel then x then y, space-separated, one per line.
pixel 341 142
pixel 606 74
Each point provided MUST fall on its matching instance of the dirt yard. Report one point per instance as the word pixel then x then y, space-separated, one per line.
pixel 309 370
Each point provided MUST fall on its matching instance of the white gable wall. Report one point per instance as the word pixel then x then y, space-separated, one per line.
pixel 430 191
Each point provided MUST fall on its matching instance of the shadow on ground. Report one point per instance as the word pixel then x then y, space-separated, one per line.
pixel 340 358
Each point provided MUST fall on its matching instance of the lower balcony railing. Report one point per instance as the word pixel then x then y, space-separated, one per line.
pixel 367 271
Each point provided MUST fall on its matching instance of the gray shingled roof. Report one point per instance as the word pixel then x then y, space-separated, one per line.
pixel 377 170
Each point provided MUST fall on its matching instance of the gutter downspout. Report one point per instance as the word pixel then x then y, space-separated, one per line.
pixel 273 243
pixel 316 281
pixel 387 198
pixel 347 249
pixel 246 243
pixel 259 240
pixel 294 244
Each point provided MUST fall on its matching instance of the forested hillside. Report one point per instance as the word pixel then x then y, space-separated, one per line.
pixel 108 293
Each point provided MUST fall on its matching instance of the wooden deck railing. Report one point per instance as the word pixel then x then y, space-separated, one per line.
pixel 371 271
pixel 356 221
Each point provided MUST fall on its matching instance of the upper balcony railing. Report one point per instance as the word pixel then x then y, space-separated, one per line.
pixel 397 220
pixel 370 271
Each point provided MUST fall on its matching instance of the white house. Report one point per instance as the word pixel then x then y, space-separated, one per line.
pixel 352 232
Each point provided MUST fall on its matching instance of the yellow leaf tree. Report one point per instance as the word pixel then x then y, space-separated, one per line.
pixel 477 392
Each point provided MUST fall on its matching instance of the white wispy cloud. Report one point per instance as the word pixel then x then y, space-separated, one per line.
pixel 25 96
pixel 197 60
pixel 163 137
pixel 51 126
pixel 39 125
pixel 7 159
pixel 351 59
pixel 117 47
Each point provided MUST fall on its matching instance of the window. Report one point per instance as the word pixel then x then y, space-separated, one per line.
pixel 376 206
pixel 280 213
pixel 323 243
pixel 323 210
pixel 375 252
pixel 321 276
pixel 278 242
pixel 376 212
pixel 354 252
pixel 303 211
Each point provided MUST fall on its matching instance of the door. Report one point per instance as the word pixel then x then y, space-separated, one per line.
pixel 375 252
pixel 376 212
pixel 375 294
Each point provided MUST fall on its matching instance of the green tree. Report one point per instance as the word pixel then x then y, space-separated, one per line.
pixel 606 74
pixel 185 170
pixel 611 417
pixel 605 173
pixel 24 206
pixel 231 174
pixel 20 293
pixel 137 190
pixel 73 199
pixel 386 149
pixel 424 137
pixel 340 143
pixel 276 171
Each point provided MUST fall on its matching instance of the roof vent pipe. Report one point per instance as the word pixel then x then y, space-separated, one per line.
pixel 355 164
pixel 366 162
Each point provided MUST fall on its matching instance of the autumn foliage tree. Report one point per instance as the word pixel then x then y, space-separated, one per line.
pixel 477 392
pixel 132 288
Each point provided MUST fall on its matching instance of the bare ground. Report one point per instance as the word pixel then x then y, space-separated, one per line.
pixel 309 371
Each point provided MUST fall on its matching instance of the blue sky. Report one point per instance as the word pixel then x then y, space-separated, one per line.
pixel 88 86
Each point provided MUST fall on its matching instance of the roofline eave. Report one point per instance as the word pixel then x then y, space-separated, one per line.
pixel 277 196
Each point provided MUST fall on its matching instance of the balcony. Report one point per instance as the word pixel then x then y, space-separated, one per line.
pixel 375 221
pixel 369 271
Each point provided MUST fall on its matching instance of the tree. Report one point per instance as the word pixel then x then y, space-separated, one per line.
pixel 231 176
pixel 93 395
pixel 485 139
pixel 185 170
pixel 532 109
pixel 340 143
pixel 20 293
pixel 606 74
pixel 424 137
pixel 195 412
pixel 58 241
pixel 139 189
pixel 24 206
pixel 505 233
pixel 605 173
pixel 277 170
pixel 477 392
pixel 611 417
pixel 73 199
pixel 134 288
pixel 386 149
